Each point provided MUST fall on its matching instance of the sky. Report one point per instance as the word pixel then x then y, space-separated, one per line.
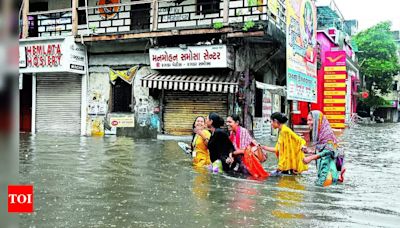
pixel 369 12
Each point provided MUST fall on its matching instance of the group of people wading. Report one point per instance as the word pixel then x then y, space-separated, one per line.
pixel 237 151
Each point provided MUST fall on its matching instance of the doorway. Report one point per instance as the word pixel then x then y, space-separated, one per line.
pixel 25 101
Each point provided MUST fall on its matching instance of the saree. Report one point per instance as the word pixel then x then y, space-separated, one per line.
pixel 288 151
pixel 331 160
pixel 242 139
pixel 202 157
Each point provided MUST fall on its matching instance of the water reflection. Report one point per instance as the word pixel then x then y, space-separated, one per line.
pixel 121 182
pixel 290 198
pixel 201 184
pixel 244 200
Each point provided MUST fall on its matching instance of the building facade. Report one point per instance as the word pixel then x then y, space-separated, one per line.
pixel 338 77
pixel 151 68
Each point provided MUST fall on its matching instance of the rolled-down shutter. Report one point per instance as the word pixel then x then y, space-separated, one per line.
pixel 182 107
pixel 58 103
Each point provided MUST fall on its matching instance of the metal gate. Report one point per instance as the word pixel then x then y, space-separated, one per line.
pixel 182 107
pixel 58 103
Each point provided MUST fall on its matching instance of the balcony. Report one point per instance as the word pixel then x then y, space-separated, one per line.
pixel 147 16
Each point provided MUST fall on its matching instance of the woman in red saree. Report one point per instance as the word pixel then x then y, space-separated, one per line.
pixel 248 163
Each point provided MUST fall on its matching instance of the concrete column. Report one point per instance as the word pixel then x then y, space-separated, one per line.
pixel 84 104
pixel 75 4
pixel 33 121
pixel 25 21
pixel 154 7
pixel 226 12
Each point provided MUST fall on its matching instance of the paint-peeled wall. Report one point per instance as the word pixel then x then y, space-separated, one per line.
pixel 146 107
pixel 98 98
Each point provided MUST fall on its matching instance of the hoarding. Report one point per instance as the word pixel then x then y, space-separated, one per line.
pixel 301 53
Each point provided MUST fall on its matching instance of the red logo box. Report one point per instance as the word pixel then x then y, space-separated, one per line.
pixel 20 198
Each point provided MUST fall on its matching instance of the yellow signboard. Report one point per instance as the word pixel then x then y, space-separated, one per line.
pixel 335 117
pixel 335 101
pixel 337 125
pixel 334 93
pixel 336 85
pixel 334 76
pixel 334 109
pixel 335 68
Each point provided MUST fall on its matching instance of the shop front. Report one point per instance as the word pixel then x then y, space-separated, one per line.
pixel 192 81
pixel 54 72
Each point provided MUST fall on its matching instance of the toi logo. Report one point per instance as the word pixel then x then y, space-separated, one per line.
pixel 20 198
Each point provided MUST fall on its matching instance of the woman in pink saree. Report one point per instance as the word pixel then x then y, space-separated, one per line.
pixel 243 143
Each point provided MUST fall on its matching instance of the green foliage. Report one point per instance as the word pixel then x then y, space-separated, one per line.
pixel 373 101
pixel 378 61
pixel 248 25
pixel 377 57
pixel 218 25
pixel 93 28
pixel 252 3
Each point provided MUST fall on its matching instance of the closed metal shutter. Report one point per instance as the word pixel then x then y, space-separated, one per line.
pixel 58 103
pixel 182 107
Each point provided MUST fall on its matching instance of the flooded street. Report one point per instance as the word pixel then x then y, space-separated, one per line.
pixel 121 182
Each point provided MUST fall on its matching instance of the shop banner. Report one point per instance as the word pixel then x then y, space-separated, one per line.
pixel 334 95
pixel 191 57
pixel 126 75
pixel 301 53
pixel 52 55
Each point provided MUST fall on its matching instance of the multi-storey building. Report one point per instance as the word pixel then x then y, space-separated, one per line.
pixel 139 68
pixel 338 71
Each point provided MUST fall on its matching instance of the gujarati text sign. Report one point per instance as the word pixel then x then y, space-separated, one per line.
pixel 212 56
pixel 301 54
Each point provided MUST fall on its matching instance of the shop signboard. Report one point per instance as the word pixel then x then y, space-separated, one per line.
pixel 122 121
pixel 334 94
pixel 52 55
pixel 190 57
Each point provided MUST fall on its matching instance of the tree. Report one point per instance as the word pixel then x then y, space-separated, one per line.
pixel 378 60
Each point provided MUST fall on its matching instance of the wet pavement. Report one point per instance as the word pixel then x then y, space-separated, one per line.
pixel 121 182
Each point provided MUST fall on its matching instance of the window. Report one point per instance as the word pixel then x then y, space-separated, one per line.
pixel 395 85
pixel 140 16
pixel 81 13
pixel 33 19
pixel 207 6
pixel 121 96
pixel 258 103
pixel 319 63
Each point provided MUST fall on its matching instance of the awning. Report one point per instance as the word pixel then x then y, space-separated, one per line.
pixel 280 90
pixel 202 83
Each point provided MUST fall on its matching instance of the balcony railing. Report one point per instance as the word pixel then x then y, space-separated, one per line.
pixel 148 15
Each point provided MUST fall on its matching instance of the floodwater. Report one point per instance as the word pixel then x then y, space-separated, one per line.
pixel 121 182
